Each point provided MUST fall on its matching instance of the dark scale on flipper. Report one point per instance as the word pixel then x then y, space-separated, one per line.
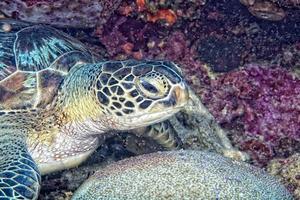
pixel 141 69
pixel 24 166
pixel 24 180
pixel 102 98
pixel 3 185
pixel 112 66
pixel 7 174
pixel 122 73
pixel 10 182
pixel 104 77
pixel 145 104
pixel 26 173
pixel 1 194
pixel 22 190
pixel 7 191
pixel 26 159
pixel 169 73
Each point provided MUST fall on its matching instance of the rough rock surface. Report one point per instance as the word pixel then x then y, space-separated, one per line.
pixel 64 13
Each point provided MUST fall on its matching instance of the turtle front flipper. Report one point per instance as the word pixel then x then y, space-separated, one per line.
pixel 163 133
pixel 19 175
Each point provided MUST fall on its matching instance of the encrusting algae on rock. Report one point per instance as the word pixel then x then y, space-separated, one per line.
pixel 181 175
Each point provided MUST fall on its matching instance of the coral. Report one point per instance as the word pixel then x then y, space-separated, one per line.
pixel 181 174
pixel 264 100
pixel 288 170
pixel 79 13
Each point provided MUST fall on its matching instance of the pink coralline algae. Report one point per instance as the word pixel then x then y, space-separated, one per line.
pixel 266 101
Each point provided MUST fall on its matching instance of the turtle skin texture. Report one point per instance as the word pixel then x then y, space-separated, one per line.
pixel 59 102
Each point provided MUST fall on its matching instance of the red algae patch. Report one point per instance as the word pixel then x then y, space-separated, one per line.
pixel 264 100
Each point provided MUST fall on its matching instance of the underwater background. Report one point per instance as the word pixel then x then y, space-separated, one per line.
pixel 241 58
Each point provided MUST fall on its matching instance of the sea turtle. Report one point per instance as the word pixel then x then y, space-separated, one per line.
pixel 58 103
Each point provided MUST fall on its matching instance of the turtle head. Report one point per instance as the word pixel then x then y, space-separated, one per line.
pixel 133 94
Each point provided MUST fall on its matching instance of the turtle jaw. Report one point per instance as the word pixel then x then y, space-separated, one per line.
pixel 143 120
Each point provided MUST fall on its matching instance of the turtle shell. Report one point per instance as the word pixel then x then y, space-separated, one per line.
pixel 34 60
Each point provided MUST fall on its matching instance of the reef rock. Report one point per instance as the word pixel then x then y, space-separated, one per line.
pixel 64 13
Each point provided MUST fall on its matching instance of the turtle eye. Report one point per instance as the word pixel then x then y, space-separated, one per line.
pixel 152 87
pixel 148 86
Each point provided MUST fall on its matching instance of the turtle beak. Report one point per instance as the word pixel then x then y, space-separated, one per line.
pixel 177 98
pixel 180 94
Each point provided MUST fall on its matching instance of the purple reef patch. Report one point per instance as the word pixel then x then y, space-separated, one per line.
pixel 265 101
